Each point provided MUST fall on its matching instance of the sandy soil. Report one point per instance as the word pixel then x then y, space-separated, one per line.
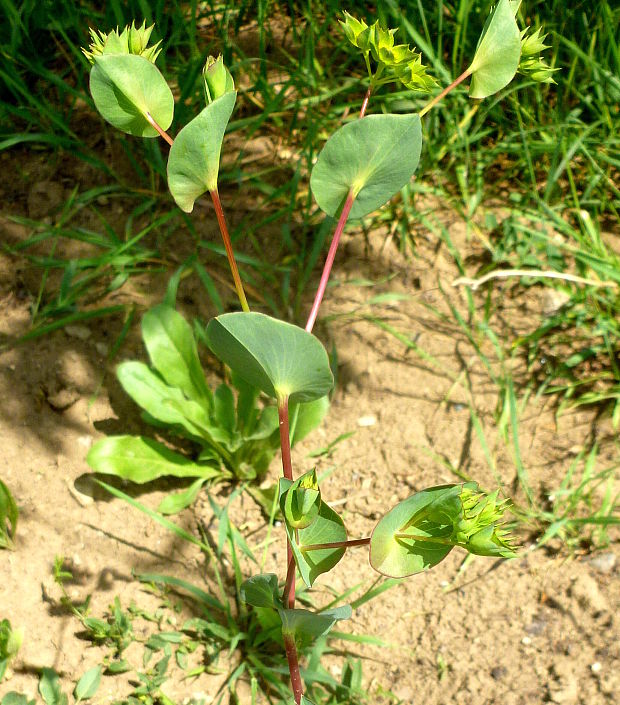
pixel 541 628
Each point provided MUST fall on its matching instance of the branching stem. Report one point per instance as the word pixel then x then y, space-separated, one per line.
pixel 331 255
pixel 444 93
pixel 336 544
pixel 221 220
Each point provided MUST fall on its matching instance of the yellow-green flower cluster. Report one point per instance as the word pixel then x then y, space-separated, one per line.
pixel 132 40
pixel 532 65
pixel 401 63
pixel 477 529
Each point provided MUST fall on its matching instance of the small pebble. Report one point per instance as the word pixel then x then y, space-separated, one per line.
pixel 604 562
pixel 596 667
pixel 526 641
pixel 498 673
pixel 369 420
pixel 77 331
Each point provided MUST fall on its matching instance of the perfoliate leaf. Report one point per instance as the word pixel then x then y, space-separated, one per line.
pixel 373 157
pixel 281 359
pixel 407 540
pixel 194 160
pixel 126 89
pixel 302 501
pixel 326 528
pixel 497 56
pixel 261 591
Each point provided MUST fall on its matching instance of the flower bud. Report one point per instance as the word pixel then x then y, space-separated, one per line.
pixel 132 40
pixel 217 79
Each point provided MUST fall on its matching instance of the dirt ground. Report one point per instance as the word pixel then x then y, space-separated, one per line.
pixel 540 628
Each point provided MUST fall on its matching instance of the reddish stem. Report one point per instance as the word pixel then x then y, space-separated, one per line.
pixel 162 133
pixel 337 544
pixel 365 102
pixel 346 209
pixel 293 666
pixel 445 92
pixel 288 596
pixel 221 220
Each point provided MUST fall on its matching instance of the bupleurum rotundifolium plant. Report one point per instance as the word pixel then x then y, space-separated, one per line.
pixel 361 166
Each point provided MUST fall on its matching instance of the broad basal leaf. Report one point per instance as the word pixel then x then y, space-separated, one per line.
pixel 140 460
pixel 498 53
pixel 300 622
pixel 281 359
pixel 375 157
pixel 194 161
pixel 126 88
pixel 170 342
pixel 261 591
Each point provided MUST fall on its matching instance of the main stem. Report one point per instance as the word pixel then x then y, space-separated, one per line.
pixel 445 92
pixel 288 597
pixel 293 666
pixel 331 255
pixel 221 220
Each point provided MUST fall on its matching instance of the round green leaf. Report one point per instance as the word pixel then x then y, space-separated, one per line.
pixel 398 557
pixel 194 161
pixel 261 590
pixel 498 53
pixel 279 358
pixel 127 87
pixel 375 157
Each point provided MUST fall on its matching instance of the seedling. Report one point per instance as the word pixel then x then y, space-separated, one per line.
pixel 360 168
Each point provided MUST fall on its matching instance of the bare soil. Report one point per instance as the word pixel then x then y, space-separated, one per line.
pixel 541 628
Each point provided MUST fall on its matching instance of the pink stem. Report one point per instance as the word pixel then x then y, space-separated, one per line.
pixel 221 220
pixel 445 92
pixel 365 102
pixel 348 204
pixel 287 471
pixel 337 544
pixel 162 133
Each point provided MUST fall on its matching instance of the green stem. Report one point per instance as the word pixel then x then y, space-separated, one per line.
pixel 336 544
pixel 445 92
pixel 221 220
pixel 288 597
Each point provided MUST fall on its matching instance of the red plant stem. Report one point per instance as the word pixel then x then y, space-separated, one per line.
pixel 221 220
pixel 337 544
pixel 445 92
pixel 288 596
pixel 293 666
pixel 162 133
pixel 365 102
pixel 346 209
